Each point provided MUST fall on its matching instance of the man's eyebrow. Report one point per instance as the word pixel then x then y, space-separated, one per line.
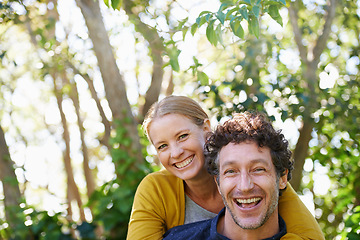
pixel 253 161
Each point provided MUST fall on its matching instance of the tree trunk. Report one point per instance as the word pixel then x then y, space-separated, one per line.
pixel 107 125
pixel 73 191
pixel 301 153
pixel 12 195
pixel 310 59
pixel 89 178
pixel 157 48
pixel 114 85
pixel 170 87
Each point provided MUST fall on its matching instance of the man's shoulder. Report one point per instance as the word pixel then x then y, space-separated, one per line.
pixel 195 230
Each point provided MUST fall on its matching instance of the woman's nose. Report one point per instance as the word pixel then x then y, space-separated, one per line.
pixel 176 151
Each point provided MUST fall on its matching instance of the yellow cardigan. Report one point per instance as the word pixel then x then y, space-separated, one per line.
pixel 159 205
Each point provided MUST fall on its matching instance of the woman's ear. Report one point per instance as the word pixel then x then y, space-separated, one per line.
pixel 206 125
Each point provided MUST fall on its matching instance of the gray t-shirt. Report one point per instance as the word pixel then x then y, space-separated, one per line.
pixel 195 213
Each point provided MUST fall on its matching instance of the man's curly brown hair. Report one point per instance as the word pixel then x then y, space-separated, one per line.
pixel 249 127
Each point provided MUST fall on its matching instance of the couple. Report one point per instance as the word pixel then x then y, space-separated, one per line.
pixel 251 165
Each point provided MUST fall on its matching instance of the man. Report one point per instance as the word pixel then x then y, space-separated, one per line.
pixel 251 163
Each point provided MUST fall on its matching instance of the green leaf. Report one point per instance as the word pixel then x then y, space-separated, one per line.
pixel 224 6
pixel 256 11
pixel 237 28
pixel 219 34
pixel 184 31
pixel 174 61
pixel 181 23
pixel 221 17
pixel 274 14
pixel 228 15
pixel 203 13
pixel 207 17
pixel 203 78
pixel 194 27
pixel 283 2
pixel 200 21
pixel 254 26
pixel 116 4
pixel 244 13
pixel 353 236
pixel 196 61
pixel 210 33
pixel 174 64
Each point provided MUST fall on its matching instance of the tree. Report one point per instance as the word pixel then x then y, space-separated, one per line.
pixel 260 78
pixel 12 196
pixel 113 82
pixel 245 64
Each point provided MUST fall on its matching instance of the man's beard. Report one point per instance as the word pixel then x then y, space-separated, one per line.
pixel 270 210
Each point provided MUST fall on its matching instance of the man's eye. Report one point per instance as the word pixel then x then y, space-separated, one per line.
pixel 259 170
pixel 229 171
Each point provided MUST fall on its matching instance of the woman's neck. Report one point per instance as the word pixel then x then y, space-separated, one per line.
pixel 203 191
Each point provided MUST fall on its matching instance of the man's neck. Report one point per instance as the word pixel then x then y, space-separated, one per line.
pixel 227 227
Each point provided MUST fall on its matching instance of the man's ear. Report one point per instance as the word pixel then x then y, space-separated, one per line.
pixel 217 183
pixel 283 180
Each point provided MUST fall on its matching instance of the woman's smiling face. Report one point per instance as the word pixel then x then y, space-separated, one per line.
pixel 179 143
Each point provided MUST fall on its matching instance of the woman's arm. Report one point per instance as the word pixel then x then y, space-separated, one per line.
pixel 146 221
pixel 299 221
pixel 156 207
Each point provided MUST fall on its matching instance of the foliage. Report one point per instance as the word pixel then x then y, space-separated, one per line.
pixel 352 223
pixel 232 13
pixel 256 71
pixel 337 150
pixel 256 74
pixel 35 224
pixel 112 203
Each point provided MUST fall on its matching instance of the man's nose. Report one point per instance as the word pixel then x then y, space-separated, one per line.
pixel 176 151
pixel 245 182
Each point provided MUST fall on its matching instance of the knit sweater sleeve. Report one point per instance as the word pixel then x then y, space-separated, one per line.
pixel 300 223
pixel 159 204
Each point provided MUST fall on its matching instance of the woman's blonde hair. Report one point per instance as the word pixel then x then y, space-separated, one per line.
pixel 175 105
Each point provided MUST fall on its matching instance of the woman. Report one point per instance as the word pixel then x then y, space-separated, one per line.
pixel 185 192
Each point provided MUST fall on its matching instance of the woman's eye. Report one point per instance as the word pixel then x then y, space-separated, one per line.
pixel 161 146
pixel 183 136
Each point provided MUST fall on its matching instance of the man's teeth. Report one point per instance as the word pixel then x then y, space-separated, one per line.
pixel 184 163
pixel 249 200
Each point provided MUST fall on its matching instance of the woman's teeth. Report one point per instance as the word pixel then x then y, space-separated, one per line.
pixel 184 163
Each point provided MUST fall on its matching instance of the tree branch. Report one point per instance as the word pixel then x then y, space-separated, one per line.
pixel 156 45
pixel 321 42
pixel 105 121
pixel 297 33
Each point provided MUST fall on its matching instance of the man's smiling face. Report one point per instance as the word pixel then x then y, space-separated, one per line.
pixel 248 184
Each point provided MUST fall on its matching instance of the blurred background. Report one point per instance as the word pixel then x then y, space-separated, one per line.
pixel 77 77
